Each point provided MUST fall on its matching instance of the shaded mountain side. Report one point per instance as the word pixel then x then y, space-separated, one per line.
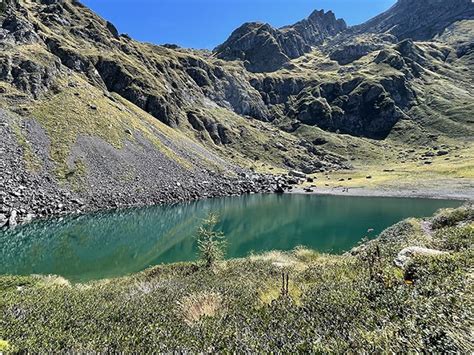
pixel 369 96
pixel 418 19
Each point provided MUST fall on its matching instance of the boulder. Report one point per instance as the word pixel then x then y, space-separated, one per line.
pixel 298 174
pixel 3 220
pixel 12 222
pixel 405 256
pixel 349 53
pixel 279 189
pixel 112 29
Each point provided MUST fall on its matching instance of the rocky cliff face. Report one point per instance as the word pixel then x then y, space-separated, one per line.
pixel 318 26
pixel 265 49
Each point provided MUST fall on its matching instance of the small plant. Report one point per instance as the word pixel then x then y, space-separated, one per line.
pixel 200 305
pixel 211 243
pixel 450 217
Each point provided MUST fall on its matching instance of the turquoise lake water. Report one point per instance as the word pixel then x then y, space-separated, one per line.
pixel 113 244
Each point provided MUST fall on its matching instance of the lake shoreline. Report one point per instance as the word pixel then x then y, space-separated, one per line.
pixel 254 223
pixel 438 194
pixel 457 193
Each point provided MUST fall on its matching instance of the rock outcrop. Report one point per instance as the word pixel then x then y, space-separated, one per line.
pixel 265 49
pixel 405 256
pixel 357 107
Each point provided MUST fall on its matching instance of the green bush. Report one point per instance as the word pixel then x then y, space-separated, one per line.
pixel 449 218
pixel 456 238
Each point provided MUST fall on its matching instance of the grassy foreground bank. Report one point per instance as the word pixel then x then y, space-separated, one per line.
pixel 360 301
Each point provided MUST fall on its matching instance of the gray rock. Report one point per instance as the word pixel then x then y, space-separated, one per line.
pixel 265 49
pixel 29 217
pixel 406 255
pixel 281 146
pixel 3 220
pixel 298 174
pixel 12 222
pixel 418 19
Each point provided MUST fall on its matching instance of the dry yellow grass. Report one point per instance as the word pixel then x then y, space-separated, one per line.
pixel 197 306
pixel 390 174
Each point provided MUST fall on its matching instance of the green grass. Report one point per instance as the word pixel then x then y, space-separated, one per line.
pixel 358 302
pixel 85 110
pixel 32 162
pixel 253 144
pixel 65 116
pixel 402 174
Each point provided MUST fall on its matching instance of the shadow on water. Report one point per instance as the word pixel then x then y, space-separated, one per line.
pixel 118 243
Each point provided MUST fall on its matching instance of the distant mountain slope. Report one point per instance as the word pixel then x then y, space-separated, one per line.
pixel 419 19
pixel 263 48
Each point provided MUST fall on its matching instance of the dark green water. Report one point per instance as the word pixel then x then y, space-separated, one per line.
pixel 117 243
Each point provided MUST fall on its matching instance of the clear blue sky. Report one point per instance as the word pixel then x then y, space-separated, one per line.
pixel 207 23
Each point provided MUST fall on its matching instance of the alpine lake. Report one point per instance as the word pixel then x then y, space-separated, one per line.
pixel 112 244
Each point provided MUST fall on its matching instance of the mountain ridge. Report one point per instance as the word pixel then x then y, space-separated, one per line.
pixel 406 19
pixel 419 19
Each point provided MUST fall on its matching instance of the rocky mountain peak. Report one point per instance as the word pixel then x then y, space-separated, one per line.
pixel 322 17
pixel 265 49
pixel 318 16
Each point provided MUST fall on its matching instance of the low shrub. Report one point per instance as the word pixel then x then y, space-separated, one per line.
pixel 450 217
